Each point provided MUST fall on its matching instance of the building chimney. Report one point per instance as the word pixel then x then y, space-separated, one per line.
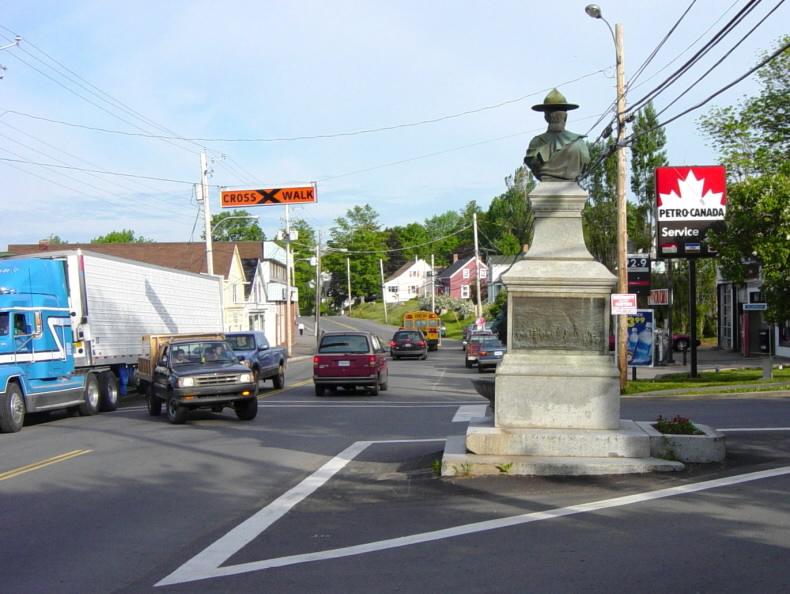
pixel 525 248
pixel 455 258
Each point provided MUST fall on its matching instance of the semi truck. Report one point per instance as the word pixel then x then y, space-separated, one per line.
pixel 72 322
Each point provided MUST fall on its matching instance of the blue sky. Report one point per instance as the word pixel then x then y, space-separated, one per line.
pixel 265 69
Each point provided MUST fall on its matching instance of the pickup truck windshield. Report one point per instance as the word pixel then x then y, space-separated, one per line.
pixel 186 353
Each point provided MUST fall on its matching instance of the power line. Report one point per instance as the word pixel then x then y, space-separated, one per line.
pixel 307 137
pixel 724 57
pixel 410 247
pixel 84 170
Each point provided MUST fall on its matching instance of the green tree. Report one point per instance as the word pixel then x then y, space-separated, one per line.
pixel 647 153
pixel 303 254
pixel 753 139
pixel 359 233
pixel 443 230
pixel 509 220
pixel 122 236
pixel 599 216
pixel 406 243
pixel 232 226
pixel 55 240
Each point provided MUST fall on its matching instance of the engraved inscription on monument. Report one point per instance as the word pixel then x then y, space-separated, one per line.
pixel 559 323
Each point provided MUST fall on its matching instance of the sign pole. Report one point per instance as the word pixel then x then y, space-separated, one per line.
pixel 693 315
pixel 383 299
pixel 288 322
pixel 318 290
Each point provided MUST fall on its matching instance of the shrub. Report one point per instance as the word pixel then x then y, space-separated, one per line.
pixel 677 425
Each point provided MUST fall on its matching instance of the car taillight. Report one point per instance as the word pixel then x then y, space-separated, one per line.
pixel 372 360
pixel 421 343
pixel 316 360
pixel 393 343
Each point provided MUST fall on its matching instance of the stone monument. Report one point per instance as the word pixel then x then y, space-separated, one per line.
pixel 557 389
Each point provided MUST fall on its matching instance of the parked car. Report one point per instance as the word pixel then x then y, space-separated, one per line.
pixel 491 352
pixel 348 360
pixel 473 329
pixel 408 343
pixel 266 361
pixel 473 346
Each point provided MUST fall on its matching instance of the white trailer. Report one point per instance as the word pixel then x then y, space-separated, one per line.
pixel 115 302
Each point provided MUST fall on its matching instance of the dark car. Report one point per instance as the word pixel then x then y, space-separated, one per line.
pixel 349 360
pixel 472 329
pixel 491 352
pixel 473 346
pixel 201 374
pixel 408 343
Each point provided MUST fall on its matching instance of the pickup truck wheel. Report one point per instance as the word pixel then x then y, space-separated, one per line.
pixel 108 391
pixel 176 413
pixel 12 410
pixel 320 390
pixel 90 403
pixel 279 379
pixel 153 403
pixel 246 410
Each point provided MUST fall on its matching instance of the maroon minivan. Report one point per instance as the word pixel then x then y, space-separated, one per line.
pixel 350 359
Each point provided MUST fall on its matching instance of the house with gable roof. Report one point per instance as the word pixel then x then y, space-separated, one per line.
pixel 458 280
pixel 410 281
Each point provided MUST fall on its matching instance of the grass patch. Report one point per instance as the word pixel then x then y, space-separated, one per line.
pixel 374 311
pixel 750 376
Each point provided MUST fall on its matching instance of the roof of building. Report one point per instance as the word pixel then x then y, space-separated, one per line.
pixel 404 268
pixel 504 260
pixel 187 256
pixel 456 266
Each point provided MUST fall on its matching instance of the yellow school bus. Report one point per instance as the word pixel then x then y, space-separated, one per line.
pixel 427 322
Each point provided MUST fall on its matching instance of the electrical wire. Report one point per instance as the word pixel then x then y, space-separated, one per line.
pixel 84 170
pixel 313 136
pixel 410 247
pixel 720 60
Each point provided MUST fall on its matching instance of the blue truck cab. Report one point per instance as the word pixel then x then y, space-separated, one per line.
pixel 37 367
pixel 265 361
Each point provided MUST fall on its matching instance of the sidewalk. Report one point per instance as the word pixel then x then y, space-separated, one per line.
pixel 708 359
pixel 303 345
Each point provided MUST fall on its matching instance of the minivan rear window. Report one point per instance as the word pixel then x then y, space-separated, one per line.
pixel 352 343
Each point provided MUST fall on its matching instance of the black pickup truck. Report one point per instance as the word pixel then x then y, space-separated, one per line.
pixel 193 373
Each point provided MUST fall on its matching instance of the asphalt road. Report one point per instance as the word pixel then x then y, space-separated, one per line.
pixel 337 494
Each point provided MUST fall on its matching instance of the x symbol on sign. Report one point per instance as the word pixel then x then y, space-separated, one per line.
pixel 269 195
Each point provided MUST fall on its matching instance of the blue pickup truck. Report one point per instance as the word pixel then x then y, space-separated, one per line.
pixel 265 360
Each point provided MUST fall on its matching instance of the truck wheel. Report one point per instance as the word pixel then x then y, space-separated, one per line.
pixel 374 389
pixel 108 391
pixel 90 402
pixel 468 363
pixel 256 378
pixel 246 410
pixel 176 413
pixel 153 403
pixel 12 410
pixel 320 390
pixel 279 379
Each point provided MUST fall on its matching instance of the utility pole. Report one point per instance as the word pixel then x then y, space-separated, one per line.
pixel 622 237
pixel 206 212
pixel 288 322
pixel 478 307
pixel 348 276
pixel 433 288
pixel 383 299
pixel 318 290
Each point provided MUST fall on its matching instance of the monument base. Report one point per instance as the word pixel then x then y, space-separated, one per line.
pixel 487 449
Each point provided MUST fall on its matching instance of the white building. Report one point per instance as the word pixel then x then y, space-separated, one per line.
pixel 498 266
pixel 410 281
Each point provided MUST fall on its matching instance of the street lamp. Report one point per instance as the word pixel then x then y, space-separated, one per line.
pixel 594 11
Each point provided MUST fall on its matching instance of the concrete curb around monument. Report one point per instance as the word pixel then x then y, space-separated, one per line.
pixel 557 390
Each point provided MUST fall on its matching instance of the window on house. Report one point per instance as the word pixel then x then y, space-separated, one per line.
pixel 483 273
pixel 392 288
pixel 466 273
pixel 465 290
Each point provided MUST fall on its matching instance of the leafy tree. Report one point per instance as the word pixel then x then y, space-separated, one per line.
pixel 509 221
pixel 753 139
pixel 231 226
pixel 445 226
pixel 401 241
pixel 359 233
pixel 303 254
pixel 122 236
pixel 55 240
pixel 647 153
pixel 599 216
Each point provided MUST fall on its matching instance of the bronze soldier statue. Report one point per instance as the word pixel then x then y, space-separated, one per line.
pixel 557 154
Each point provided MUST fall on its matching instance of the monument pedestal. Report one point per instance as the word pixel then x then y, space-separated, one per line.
pixel 557 389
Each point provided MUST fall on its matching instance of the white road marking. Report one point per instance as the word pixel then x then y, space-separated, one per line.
pixel 207 563
pixel 733 429
pixel 468 412
pixel 333 405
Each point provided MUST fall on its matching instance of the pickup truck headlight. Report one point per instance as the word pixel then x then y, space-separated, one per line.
pixel 245 378
pixel 186 382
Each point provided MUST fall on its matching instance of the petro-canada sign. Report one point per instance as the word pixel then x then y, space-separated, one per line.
pixel 689 201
